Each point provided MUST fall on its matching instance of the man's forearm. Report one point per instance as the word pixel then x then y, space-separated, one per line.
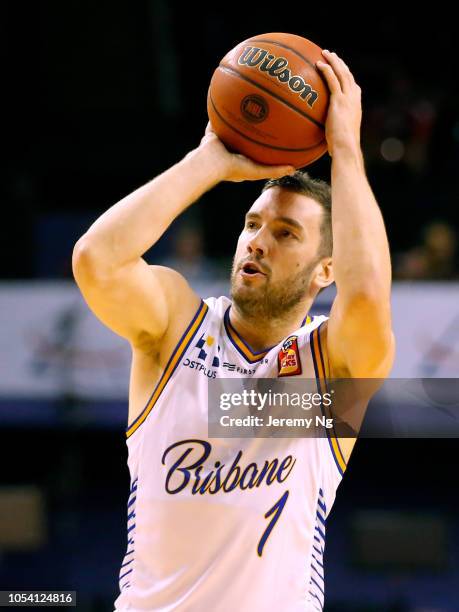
pixel 361 258
pixel 130 227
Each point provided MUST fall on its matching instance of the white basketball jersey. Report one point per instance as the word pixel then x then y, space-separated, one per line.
pixel 225 524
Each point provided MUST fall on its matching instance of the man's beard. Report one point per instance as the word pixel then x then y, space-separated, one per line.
pixel 272 300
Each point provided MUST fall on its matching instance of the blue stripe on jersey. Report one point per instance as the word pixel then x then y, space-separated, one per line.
pixel 320 517
pixel 316 597
pixel 317 561
pixel 316 571
pixel 316 580
pixel 322 506
pixel 121 577
pixel 131 501
pixel 128 557
pixel 317 585
pixel 319 552
pixel 321 533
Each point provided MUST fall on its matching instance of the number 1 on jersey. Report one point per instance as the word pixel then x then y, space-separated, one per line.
pixel 276 510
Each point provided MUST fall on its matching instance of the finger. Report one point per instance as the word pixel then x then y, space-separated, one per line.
pixel 347 74
pixel 209 133
pixel 261 171
pixel 273 172
pixel 333 82
pixel 341 69
pixel 278 171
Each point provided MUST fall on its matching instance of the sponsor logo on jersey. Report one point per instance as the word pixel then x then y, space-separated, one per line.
pixel 200 367
pixel 288 358
pixel 278 68
pixel 232 367
pixel 206 341
pixel 205 362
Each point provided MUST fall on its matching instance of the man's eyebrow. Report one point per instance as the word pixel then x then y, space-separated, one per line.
pixel 285 220
pixel 252 215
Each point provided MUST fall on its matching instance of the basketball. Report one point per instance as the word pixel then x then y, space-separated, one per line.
pixel 268 101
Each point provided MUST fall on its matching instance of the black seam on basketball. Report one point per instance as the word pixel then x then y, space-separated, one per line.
pixel 284 46
pixel 257 142
pixel 229 69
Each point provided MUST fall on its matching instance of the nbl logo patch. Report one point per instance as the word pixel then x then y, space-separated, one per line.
pixel 288 358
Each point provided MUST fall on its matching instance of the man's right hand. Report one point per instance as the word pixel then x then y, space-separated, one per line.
pixel 235 167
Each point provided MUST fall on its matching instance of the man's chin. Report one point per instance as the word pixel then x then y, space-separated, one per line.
pixel 247 294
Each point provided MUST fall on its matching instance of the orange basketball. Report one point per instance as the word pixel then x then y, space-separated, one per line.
pixel 268 101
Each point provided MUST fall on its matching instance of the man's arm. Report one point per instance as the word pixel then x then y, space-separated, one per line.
pixel 360 341
pixel 135 300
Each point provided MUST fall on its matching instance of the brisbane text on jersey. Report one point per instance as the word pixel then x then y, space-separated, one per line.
pixel 221 479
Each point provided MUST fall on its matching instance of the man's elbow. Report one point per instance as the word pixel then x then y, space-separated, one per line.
pixel 87 262
pixel 81 257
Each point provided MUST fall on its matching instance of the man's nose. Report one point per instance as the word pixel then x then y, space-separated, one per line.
pixel 258 244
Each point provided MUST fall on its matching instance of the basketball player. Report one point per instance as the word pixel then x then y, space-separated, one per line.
pixel 239 524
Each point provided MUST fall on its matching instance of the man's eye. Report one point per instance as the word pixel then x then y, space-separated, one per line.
pixel 286 233
pixel 250 225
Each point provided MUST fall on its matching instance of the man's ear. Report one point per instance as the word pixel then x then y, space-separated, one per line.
pixel 324 274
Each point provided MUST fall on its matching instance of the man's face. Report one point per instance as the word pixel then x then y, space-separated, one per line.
pixel 276 258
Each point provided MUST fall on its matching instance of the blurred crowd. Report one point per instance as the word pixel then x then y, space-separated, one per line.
pixel 405 135
pixel 433 258
pixel 108 115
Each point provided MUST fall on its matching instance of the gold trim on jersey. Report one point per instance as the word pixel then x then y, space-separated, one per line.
pixel 320 357
pixel 174 359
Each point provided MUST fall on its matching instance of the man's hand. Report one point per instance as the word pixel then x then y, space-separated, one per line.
pixel 342 128
pixel 235 167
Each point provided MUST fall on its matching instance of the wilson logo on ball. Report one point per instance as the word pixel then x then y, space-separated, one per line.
pixel 254 108
pixel 256 57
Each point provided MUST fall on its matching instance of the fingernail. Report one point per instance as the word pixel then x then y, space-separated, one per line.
pixel 325 51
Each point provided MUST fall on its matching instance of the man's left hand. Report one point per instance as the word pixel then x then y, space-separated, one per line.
pixel 342 127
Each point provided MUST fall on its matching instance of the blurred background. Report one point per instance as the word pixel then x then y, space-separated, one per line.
pixel 100 98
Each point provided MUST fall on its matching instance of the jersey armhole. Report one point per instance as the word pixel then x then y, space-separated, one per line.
pixel 171 366
pixel 318 343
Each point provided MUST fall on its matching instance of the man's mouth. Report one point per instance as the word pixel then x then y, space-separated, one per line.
pixel 251 269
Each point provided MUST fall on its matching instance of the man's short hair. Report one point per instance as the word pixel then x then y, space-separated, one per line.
pixel 317 190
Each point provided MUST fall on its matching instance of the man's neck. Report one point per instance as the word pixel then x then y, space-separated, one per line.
pixel 261 334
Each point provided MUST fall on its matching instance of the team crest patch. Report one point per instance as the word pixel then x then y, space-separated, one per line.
pixel 288 359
